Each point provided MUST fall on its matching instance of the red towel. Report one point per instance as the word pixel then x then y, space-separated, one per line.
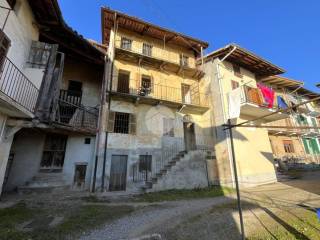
pixel 268 94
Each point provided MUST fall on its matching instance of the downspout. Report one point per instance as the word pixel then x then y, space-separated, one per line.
pixel 224 112
pixel 108 91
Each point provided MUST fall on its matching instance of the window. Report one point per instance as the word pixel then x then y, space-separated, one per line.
pixel 146 85
pixel 184 60
pixel 126 43
pixel 236 70
pixel 39 54
pixel 168 127
pixel 4 46
pixel 121 123
pixel 302 120
pixel 87 140
pixel 234 84
pixel 288 146
pixel 123 82
pixel 147 49
pixel 54 151
pixel 145 162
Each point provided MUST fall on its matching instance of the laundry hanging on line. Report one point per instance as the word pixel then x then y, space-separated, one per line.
pixel 281 103
pixel 267 93
pixel 234 102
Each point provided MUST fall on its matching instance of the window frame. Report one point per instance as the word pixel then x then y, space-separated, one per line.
pixel 184 60
pixel 147 49
pixel 121 125
pixel 237 70
pixel 288 146
pixel 124 45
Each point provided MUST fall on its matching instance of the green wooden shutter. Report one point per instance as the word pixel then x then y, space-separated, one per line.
pixel 314 146
pixel 305 144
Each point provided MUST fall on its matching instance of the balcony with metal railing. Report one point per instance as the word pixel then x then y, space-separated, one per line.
pixel 187 97
pixel 69 113
pixel 161 59
pixel 253 105
pixel 18 94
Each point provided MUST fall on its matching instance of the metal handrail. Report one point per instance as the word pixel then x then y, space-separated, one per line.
pixel 161 92
pixel 15 85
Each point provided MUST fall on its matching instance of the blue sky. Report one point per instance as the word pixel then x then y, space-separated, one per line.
pixel 285 32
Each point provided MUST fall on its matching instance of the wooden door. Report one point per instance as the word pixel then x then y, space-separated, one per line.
pixel 118 173
pixel 123 82
pixel 189 136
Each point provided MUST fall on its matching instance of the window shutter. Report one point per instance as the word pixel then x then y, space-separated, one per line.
pixel 305 144
pixel 133 125
pixel 111 119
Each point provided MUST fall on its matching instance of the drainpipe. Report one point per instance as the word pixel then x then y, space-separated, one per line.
pixel 224 112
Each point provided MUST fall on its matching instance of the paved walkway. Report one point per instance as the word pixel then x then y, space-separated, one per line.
pixel 215 218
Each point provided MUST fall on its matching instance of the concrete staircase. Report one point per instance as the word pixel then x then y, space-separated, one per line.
pixel 183 166
pixel 43 182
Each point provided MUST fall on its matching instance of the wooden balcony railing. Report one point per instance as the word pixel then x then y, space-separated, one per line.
pixel 15 85
pixel 187 94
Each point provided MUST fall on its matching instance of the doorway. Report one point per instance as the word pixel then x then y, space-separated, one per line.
pixel 118 173
pixel 189 136
pixel 80 175
pixel 186 93
pixel 123 82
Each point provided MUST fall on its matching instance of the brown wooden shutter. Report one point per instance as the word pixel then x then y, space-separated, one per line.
pixel 111 119
pixel 132 124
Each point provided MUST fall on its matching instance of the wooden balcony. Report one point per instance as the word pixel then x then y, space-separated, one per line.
pixel 188 98
pixel 160 59
pixel 253 105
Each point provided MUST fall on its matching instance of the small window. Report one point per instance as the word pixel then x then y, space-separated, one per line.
pixel 145 162
pixel 39 54
pixel 234 84
pixel 184 60
pixel 75 88
pixel 236 70
pixel 126 43
pixel 121 123
pixel 147 49
pixel 168 127
pixel 288 146
pixel 87 140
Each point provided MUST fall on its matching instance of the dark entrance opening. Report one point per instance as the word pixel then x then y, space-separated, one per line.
pixel 189 136
pixel 118 173
pixel 80 175
pixel 123 82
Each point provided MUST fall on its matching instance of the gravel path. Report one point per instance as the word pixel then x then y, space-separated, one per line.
pixel 162 217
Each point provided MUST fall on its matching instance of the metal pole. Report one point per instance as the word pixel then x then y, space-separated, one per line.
pixel 236 180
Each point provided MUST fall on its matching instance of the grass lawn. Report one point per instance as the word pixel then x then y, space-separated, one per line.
pixel 173 195
pixel 75 220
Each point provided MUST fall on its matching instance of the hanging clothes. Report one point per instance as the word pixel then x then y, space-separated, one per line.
pixel 268 94
pixel 234 102
pixel 281 103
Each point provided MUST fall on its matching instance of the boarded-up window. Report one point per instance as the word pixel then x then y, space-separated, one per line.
pixel 126 43
pixel 236 70
pixel 288 146
pixel 168 127
pixel 147 49
pixel 145 162
pixel 39 54
pixel 234 84
pixel 4 46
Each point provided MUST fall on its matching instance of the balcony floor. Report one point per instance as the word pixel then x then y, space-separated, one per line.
pixel 255 111
pixel 188 108
pixel 12 108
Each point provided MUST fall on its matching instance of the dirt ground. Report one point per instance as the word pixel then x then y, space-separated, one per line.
pixel 283 210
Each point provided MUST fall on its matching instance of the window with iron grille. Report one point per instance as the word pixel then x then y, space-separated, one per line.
pixel 184 60
pixel 168 127
pixel 288 146
pixel 4 46
pixel 236 70
pixel 121 122
pixel 147 49
pixel 39 54
pixel 145 162
pixel 126 43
